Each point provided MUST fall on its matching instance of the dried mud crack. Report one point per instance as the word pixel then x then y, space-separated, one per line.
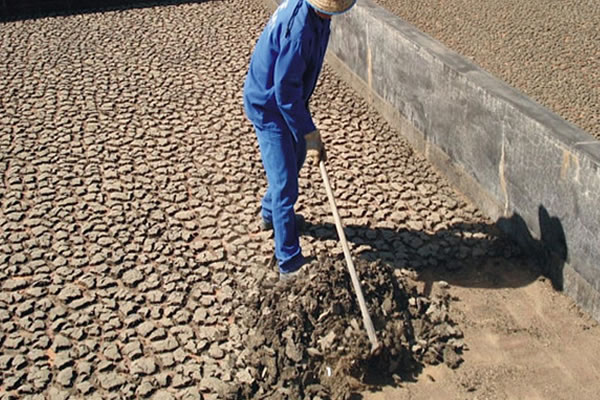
pixel 306 338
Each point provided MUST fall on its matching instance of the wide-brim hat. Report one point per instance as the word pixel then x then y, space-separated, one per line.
pixel 332 7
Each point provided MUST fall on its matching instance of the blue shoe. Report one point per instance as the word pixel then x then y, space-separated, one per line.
pixel 300 224
pixel 291 276
pixel 299 273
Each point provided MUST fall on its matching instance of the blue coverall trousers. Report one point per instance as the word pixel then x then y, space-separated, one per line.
pixel 282 156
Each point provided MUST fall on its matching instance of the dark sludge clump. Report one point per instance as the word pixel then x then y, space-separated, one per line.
pixel 306 338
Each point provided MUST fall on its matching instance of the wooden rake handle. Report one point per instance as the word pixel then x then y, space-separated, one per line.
pixel 355 282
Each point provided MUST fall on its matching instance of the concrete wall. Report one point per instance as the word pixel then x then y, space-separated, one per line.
pixel 534 173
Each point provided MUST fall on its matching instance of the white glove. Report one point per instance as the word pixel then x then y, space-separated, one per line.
pixel 314 146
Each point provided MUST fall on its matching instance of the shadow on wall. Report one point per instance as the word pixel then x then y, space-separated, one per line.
pixel 550 251
pixel 467 255
pixel 11 10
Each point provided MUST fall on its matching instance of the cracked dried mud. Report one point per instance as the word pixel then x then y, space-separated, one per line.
pixel 132 264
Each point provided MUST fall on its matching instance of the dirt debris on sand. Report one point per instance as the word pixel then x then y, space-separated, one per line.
pixel 307 339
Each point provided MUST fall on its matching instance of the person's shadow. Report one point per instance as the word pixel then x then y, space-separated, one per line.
pixel 500 255
pixel 550 250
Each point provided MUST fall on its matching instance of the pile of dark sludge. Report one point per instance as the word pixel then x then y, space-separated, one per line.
pixel 306 339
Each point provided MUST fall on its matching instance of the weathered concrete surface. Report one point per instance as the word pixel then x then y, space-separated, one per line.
pixel 522 164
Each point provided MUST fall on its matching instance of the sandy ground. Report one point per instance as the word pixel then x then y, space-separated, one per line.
pixel 524 342
pixel 548 50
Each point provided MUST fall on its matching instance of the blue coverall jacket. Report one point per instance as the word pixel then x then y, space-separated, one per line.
pixel 283 73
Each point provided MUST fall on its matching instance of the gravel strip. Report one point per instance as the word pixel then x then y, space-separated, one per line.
pixel 548 50
pixel 130 184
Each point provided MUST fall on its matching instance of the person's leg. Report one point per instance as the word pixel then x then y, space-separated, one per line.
pixel 279 156
pixel 300 153
pixel 267 207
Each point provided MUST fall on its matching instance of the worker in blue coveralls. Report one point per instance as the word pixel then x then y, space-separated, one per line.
pixel 283 73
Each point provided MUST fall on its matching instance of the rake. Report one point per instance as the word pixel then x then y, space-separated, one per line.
pixel 375 346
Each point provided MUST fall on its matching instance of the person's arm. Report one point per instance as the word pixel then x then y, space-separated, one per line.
pixel 289 87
